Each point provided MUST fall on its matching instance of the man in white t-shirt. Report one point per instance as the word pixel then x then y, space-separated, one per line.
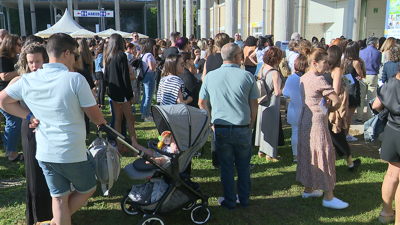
pixel 57 99
pixel 135 41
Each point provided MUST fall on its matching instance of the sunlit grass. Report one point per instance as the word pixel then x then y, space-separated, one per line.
pixel 275 199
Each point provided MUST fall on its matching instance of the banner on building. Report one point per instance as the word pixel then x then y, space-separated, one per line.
pixel 93 13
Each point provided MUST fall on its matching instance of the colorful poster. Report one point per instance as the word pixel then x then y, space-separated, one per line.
pixel 392 25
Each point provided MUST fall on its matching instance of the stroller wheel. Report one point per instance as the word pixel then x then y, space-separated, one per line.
pixel 151 219
pixel 129 206
pixel 200 214
pixel 190 206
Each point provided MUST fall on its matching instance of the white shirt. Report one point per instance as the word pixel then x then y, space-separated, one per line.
pixel 291 58
pixel 260 54
pixel 292 91
pixel 56 97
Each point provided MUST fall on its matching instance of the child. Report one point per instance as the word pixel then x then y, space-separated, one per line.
pixel 167 144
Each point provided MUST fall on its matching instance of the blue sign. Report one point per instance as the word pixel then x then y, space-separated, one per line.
pixel 93 13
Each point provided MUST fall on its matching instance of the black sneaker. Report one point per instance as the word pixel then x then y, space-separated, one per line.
pixel 252 166
pixel 359 121
pixel 356 164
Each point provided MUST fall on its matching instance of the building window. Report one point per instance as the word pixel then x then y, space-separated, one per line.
pixel 257 31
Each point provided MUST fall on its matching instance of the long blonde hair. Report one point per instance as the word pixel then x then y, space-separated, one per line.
pixel 388 44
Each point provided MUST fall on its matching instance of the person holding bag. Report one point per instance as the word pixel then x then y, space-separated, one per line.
pixel 267 125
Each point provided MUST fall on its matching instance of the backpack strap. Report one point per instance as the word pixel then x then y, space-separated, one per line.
pixel 266 73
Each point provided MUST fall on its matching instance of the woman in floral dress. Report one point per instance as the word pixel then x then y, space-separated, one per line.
pixel 316 154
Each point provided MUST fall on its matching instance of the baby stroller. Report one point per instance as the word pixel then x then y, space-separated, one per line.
pixel 190 129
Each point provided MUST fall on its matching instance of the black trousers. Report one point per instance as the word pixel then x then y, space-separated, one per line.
pixel 340 142
pixel 102 88
pixel 38 199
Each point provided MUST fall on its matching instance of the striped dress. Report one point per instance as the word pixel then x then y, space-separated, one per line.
pixel 169 88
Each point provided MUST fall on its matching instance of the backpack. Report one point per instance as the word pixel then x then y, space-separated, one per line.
pixel 137 65
pixel 265 95
pixel 108 163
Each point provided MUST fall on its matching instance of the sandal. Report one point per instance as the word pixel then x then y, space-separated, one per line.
pixel 269 158
pixel 20 157
pixel 261 154
pixel 387 219
pixel 124 149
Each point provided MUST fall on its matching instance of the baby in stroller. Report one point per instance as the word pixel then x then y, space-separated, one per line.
pixel 167 144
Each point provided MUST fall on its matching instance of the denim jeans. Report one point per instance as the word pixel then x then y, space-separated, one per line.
pixel 259 65
pixel 11 131
pixel 149 85
pixel 59 176
pixel 234 148
pixel 251 69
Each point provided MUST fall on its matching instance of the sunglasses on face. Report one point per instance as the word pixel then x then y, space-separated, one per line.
pixel 135 36
pixel 76 55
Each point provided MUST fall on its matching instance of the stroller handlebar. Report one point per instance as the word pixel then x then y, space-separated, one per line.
pixel 109 130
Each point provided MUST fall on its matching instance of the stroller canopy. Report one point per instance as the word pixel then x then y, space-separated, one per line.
pixel 188 125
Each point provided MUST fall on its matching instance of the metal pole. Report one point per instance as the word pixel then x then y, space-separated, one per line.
pixel 172 16
pixel 205 19
pixel 215 18
pixel 145 18
pixel 265 16
pixel 21 17
pixel 197 19
pixel 8 20
pixel 117 16
pixel 33 16
pixel 70 8
pixel 179 16
pixel 76 8
pixel 100 19
pixel 159 10
pixel 103 22
pixel 51 14
pixel 231 18
pixel 166 19
pixel 189 17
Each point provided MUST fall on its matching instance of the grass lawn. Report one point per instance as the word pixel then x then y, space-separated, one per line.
pixel 275 196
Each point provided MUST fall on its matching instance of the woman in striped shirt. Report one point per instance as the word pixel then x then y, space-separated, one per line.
pixel 171 90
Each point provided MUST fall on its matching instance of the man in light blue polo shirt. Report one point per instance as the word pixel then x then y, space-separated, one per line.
pixel 57 99
pixel 233 95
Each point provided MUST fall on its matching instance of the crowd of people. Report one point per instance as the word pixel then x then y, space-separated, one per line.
pixel 70 78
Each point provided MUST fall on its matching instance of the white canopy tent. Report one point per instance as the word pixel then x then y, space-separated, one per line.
pixel 65 25
pixel 109 32
pixel 83 33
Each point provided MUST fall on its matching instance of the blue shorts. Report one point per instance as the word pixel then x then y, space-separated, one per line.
pixel 60 175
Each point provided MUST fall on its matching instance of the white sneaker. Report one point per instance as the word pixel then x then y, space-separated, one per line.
pixel 335 203
pixel 148 119
pixel 351 138
pixel 315 194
